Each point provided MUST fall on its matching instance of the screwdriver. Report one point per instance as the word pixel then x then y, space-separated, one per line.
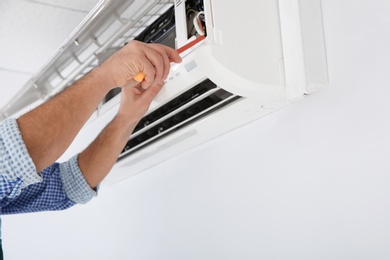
pixel 141 76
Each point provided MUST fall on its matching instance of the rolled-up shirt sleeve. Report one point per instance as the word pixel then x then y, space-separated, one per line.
pixel 74 183
pixel 16 166
pixel 23 190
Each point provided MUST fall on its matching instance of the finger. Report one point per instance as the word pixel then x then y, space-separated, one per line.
pixel 173 55
pixel 166 62
pixel 149 94
pixel 167 66
pixel 156 58
pixel 132 83
pixel 149 71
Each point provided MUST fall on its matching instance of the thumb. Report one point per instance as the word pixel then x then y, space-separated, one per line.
pixel 150 93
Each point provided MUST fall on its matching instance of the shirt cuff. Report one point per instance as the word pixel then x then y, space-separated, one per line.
pixel 75 185
pixel 15 158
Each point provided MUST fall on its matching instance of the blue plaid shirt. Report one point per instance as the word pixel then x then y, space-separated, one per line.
pixel 23 190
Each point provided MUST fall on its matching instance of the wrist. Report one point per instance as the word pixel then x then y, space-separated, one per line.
pixel 124 125
pixel 102 78
pixel 127 120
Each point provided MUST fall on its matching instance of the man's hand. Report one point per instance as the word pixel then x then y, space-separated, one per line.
pixel 151 59
pixel 49 129
pixel 100 156
pixel 135 101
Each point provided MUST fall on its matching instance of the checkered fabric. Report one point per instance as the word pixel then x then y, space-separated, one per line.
pixel 23 190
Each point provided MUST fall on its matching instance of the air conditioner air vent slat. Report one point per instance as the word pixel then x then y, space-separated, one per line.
pixel 176 103
pixel 178 116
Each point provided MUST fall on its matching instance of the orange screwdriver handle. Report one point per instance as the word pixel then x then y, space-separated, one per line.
pixel 141 76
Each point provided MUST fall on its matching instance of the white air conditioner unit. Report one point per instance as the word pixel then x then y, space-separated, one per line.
pixel 258 56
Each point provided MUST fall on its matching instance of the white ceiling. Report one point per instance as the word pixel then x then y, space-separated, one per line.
pixel 30 32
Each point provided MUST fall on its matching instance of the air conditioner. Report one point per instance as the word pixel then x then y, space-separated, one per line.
pixel 258 56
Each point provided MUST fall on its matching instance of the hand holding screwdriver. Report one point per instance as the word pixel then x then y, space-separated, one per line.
pixel 141 76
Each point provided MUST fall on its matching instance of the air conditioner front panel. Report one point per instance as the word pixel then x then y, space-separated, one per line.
pixel 248 42
pixel 232 116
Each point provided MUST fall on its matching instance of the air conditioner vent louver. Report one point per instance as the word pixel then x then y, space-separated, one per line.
pixel 188 107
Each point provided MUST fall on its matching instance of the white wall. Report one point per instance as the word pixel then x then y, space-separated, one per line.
pixel 311 181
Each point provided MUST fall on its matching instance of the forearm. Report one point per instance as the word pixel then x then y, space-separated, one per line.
pixel 49 129
pixel 99 157
pixel 97 160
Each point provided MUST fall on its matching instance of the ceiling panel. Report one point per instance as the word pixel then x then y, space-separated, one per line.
pixel 10 83
pixel 30 33
pixel 84 5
